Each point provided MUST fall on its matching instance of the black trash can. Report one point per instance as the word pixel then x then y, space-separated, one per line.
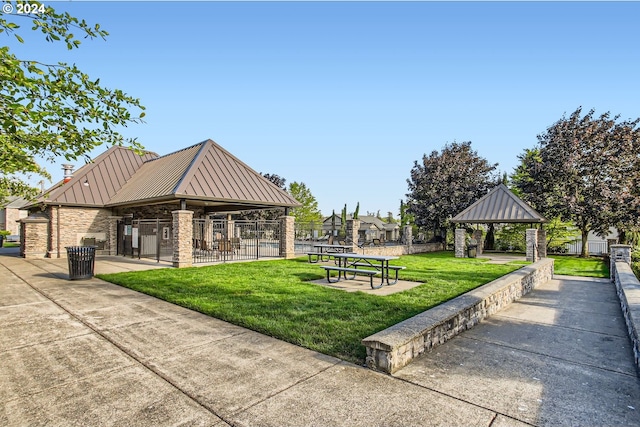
pixel 82 260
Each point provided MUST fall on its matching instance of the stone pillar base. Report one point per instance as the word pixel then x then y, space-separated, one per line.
pixel 287 237
pixel 532 244
pixel 182 238
pixel 460 242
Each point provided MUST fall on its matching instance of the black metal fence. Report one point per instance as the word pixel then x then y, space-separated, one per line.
pixel 146 238
pixel 219 240
pixel 307 234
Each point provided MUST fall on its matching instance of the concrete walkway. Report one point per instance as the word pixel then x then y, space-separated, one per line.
pixel 89 353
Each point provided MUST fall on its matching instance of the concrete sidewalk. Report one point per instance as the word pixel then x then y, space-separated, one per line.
pixel 90 353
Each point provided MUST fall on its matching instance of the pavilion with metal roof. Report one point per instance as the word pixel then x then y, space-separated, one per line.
pixel 203 175
pixel 501 206
pixel 124 199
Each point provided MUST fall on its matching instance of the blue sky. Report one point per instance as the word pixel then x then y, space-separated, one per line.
pixel 345 96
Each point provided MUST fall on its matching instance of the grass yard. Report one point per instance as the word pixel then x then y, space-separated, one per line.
pixel 576 266
pixel 272 297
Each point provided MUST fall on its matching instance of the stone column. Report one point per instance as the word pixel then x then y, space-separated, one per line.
pixel 112 235
pixel 478 235
pixel 287 236
pixel 35 236
pixel 460 242
pixel 407 235
pixel 542 243
pixel 353 228
pixel 532 244
pixel 182 238
pixel 618 253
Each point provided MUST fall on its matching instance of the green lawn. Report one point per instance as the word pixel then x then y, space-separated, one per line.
pixel 274 298
pixel 576 266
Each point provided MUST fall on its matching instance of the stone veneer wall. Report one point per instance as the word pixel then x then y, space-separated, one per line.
pixel 74 222
pixel 395 347
pixel 628 289
pixel 9 220
pixel 34 235
pixel 397 250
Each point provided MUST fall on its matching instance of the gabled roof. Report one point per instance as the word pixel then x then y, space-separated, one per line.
pixel 206 174
pixel 499 205
pixel 203 174
pixel 95 183
pixel 13 202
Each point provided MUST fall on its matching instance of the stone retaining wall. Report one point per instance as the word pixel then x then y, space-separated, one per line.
pixel 398 250
pixel 628 289
pixel 397 346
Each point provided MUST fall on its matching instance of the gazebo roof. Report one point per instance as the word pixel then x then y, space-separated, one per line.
pixel 499 205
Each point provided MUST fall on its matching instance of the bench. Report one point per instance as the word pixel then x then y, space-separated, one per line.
pixel 318 256
pixel 395 268
pixel 355 271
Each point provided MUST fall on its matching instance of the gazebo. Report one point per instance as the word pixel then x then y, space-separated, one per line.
pixel 501 206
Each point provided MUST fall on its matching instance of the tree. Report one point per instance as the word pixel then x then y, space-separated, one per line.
pixel 584 170
pixel 309 211
pixel 343 221
pixel 447 182
pixel 559 233
pixel 53 110
pixel 265 214
pixel 356 213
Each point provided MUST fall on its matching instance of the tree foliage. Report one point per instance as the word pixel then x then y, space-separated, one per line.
pixel 585 170
pixel 447 182
pixel 309 211
pixel 53 110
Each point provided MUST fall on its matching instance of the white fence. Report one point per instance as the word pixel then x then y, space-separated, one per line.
pixel 595 247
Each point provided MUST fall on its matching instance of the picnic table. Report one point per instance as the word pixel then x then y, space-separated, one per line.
pixel 324 250
pixel 349 263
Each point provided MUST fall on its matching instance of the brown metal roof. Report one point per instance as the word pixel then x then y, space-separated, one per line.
pixel 94 184
pixel 218 175
pixel 156 179
pixel 499 205
pixel 204 174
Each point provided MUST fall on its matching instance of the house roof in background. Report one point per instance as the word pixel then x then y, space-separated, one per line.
pixel 499 205
pixel 15 203
pixel 203 174
pixel 365 219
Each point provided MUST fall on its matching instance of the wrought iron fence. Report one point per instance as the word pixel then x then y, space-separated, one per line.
pixel 306 234
pixel 152 238
pixel 219 240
